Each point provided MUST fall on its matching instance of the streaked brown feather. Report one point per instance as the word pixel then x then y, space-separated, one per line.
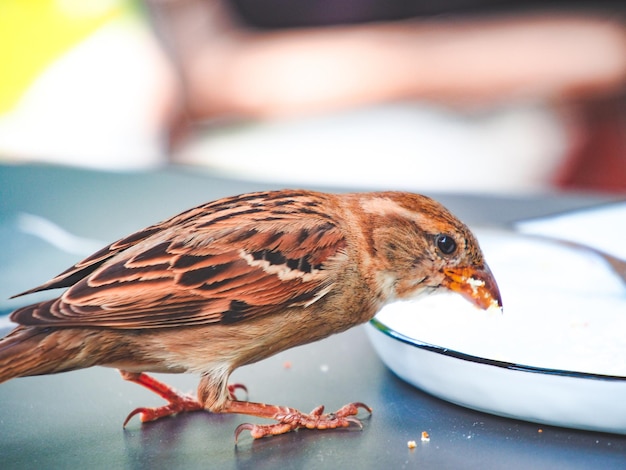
pixel 224 261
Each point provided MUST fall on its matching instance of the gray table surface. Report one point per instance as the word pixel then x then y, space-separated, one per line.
pixel 74 420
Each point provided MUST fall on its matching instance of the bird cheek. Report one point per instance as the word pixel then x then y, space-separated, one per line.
pixel 409 287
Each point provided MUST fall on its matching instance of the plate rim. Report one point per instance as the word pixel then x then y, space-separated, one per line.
pixel 388 331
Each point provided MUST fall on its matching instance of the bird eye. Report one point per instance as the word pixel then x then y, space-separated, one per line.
pixel 446 244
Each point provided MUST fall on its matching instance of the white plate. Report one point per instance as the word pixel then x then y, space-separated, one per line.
pixel 557 355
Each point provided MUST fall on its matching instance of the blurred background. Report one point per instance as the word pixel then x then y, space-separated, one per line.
pixel 458 95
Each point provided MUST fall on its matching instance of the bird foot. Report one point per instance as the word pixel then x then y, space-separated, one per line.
pixel 290 419
pixel 178 402
pixel 185 403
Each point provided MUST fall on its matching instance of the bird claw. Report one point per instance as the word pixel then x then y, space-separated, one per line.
pixel 352 409
pixel 232 390
pixel 316 419
pixel 130 416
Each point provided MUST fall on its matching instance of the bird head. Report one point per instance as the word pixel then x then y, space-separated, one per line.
pixel 418 246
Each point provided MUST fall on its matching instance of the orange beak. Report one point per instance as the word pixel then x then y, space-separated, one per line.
pixel 475 284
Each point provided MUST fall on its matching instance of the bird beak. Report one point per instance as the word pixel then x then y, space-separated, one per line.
pixel 476 284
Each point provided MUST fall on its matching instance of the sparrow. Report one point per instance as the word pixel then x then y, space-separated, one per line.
pixel 234 281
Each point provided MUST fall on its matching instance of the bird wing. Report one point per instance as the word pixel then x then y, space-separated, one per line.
pixel 224 262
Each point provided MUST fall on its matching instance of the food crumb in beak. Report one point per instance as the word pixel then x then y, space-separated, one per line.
pixel 475 283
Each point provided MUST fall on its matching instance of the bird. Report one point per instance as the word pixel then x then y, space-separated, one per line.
pixel 239 279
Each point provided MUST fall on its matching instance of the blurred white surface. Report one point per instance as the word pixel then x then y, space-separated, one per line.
pixel 409 146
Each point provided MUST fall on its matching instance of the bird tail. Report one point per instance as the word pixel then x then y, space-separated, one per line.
pixel 30 351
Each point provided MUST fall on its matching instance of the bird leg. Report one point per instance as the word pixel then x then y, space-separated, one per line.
pixel 290 419
pixel 178 402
